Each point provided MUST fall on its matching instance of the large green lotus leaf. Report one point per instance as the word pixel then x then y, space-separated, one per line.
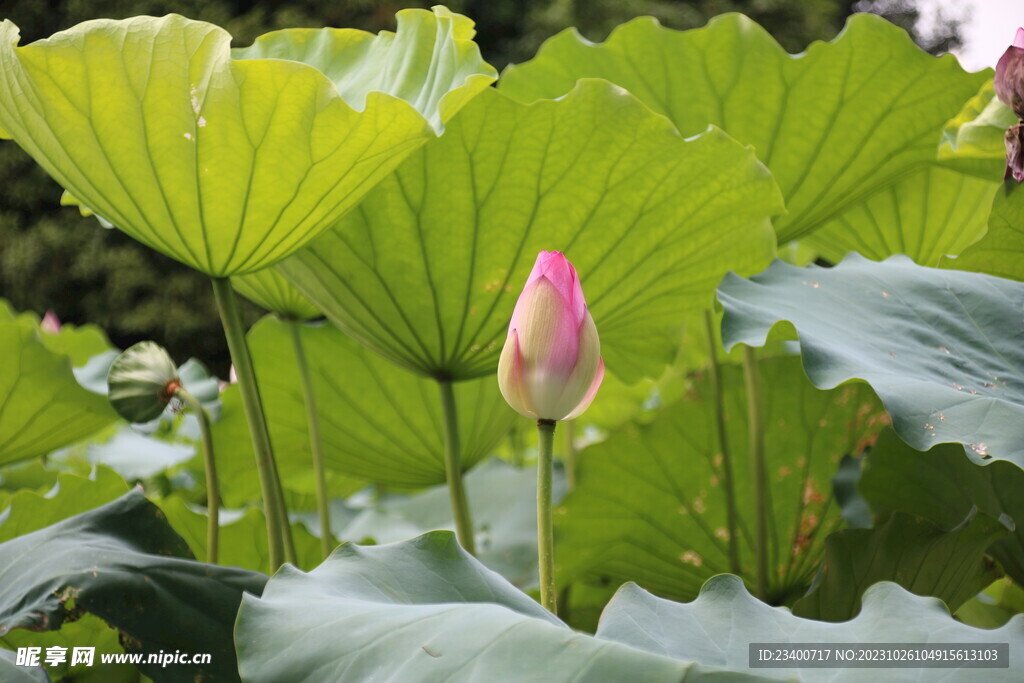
pixel 834 124
pixel 948 564
pixel 943 486
pixel 425 610
pixel 943 349
pixel 226 165
pixel 1001 251
pixel 378 422
pixel 504 503
pixel 930 214
pixel 973 141
pixel 427 270
pixel 649 504
pixel 431 62
pixel 124 563
pixel 269 289
pixel 718 627
pixel 42 406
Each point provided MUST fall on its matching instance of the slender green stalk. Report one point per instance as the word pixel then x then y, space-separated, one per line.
pixel 755 422
pixel 212 486
pixel 315 443
pixel 545 530
pixel 234 330
pixel 570 455
pixel 453 469
pixel 723 444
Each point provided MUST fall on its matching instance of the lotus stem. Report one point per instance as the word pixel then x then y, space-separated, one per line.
pixel 278 528
pixel 453 468
pixel 212 486
pixel 755 423
pixel 545 530
pixel 723 444
pixel 570 455
pixel 315 442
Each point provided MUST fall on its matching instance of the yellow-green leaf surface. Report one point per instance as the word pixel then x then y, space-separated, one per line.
pixel 378 422
pixel 227 165
pixel 269 289
pixel 932 213
pixel 1001 251
pixel 427 269
pixel 835 124
pixel 973 140
pixel 42 406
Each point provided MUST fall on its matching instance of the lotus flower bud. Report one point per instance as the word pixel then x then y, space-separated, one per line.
pixel 551 366
pixel 142 381
pixel 50 323
pixel 1009 81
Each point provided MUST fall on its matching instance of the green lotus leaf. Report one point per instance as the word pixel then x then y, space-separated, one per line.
pixel 924 558
pixel 427 270
pixel 835 124
pixel 125 564
pixel 431 62
pixel 378 422
pixel 424 609
pixel 650 505
pixel 940 347
pixel 269 289
pixel 717 628
pixel 1001 251
pixel 42 406
pixel 943 486
pixel 227 165
pixel 973 140
pixel 929 215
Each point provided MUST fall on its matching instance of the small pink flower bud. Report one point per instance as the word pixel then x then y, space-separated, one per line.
pixel 50 323
pixel 551 365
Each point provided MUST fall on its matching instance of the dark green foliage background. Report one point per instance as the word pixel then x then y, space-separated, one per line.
pixel 53 259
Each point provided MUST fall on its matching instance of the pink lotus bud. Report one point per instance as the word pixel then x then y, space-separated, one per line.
pixel 551 366
pixel 50 323
pixel 1009 81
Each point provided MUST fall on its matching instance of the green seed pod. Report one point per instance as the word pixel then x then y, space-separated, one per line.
pixel 142 382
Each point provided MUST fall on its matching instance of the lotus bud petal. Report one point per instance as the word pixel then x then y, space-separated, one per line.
pixel 50 323
pixel 142 381
pixel 551 365
pixel 1009 80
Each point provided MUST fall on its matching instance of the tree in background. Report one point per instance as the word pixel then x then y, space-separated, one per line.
pixel 52 258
